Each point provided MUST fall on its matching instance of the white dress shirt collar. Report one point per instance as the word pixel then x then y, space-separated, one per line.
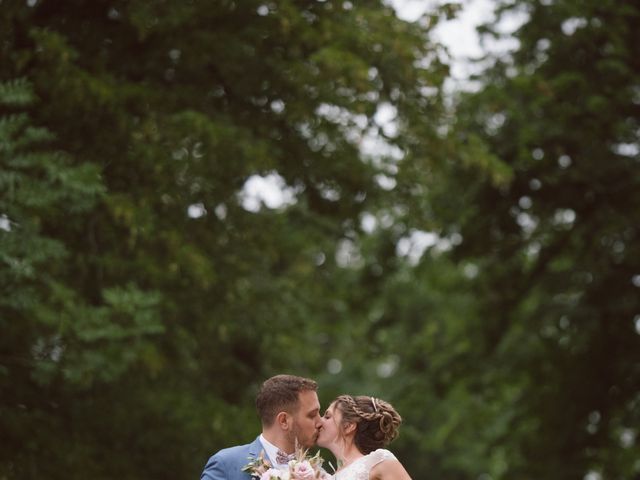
pixel 270 450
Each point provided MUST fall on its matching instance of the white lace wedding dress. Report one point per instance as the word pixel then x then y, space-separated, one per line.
pixel 359 470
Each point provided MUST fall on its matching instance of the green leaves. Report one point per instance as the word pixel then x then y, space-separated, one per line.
pixel 477 155
pixel 546 284
pixel 137 281
pixel 16 93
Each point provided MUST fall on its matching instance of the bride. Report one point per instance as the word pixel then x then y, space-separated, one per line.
pixel 356 429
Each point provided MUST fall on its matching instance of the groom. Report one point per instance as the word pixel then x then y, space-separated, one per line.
pixel 289 410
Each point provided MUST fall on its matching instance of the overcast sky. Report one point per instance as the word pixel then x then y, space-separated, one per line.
pixel 460 36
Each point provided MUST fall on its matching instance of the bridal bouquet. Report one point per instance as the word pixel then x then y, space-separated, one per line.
pixel 302 467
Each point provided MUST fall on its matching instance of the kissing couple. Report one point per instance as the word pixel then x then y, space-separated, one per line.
pixel 354 429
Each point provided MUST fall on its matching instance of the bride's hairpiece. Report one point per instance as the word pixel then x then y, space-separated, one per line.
pixel 375 404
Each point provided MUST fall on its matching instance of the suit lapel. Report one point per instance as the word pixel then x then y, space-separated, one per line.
pixel 253 451
pixel 255 448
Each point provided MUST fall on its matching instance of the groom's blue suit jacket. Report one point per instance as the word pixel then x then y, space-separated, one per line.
pixel 227 463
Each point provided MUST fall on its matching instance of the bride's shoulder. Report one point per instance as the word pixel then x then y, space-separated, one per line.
pixel 387 466
pixel 382 454
pixel 378 456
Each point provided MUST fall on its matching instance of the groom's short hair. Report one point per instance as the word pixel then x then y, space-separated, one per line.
pixel 281 394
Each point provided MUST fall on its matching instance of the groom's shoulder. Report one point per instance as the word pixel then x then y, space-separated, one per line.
pixel 227 463
pixel 232 451
pixel 235 452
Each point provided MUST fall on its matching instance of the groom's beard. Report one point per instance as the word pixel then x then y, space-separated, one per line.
pixel 297 439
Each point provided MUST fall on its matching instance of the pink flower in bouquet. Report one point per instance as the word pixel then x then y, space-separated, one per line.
pixel 302 467
pixel 303 471
pixel 275 474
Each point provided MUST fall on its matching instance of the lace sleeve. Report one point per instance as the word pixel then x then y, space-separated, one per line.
pixel 359 470
pixel 378 456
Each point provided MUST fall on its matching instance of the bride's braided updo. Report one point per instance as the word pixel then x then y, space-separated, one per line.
pixel 377 421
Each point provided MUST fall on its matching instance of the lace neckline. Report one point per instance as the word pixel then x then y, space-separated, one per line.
pixel 359 469
pixel 347 467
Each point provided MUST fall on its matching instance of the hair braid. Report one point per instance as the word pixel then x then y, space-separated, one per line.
pixel 377 421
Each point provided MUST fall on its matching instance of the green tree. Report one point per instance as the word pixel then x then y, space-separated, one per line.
pixel 155 300
pixel 553 370
pixel 52 335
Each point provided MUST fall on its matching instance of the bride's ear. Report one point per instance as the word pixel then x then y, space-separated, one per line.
pixel 350 428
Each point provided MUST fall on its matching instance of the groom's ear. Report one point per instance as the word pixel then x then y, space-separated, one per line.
pixel 283 420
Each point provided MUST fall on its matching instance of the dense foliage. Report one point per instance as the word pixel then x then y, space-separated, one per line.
pixel 146 294
pixel 552 376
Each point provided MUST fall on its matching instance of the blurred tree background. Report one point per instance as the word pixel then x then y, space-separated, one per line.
pixel 146 295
